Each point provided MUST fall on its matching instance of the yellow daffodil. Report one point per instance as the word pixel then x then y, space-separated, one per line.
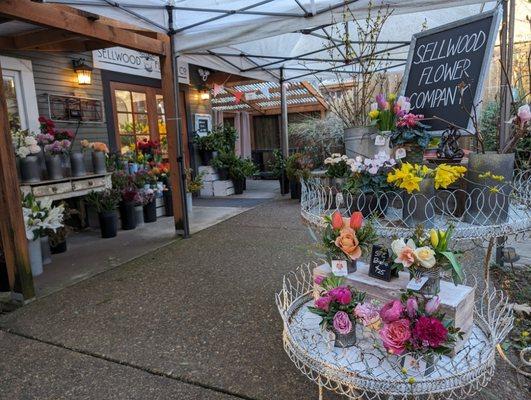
pixel 374 114
pixel 411 183
pixel 445 175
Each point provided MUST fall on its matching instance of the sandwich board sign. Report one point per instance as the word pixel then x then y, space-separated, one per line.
pixel 446 68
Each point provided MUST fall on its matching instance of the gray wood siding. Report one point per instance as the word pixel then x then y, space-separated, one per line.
pixel 53 74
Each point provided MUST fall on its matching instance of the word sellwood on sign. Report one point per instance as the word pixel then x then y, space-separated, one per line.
pixel 381 264
pixel 447 66
pixel 120 59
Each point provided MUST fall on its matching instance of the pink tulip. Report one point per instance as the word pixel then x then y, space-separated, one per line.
pixel 337 220
pixel 412 307
pixel 433 305
pixel 356 220
pixel 524 114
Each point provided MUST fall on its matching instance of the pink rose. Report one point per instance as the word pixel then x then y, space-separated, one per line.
pixel 341 294
pixel 323 303
pixel 433 305
pixel 391 311
pixel 430 332
pixel 395 336
pixel 319 279
pixel 342 323
pixel 367 313
pixel 412 307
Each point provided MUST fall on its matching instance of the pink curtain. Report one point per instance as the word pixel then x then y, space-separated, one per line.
pixel 239 138
pixel 245 135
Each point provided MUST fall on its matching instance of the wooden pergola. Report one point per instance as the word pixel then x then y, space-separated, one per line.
pixel 61 28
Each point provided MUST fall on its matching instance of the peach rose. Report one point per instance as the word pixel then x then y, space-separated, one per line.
pixel 348 243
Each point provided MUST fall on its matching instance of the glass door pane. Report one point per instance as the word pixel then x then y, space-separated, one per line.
pixel 13 111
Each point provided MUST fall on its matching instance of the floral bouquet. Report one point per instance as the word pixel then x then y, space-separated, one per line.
pixel 410 130
pixel 58 147
pixel 346 238
pixel 415 325
pixel 40 215
pixel 385 111
pixel 427 254
pixel 47 127
pixel 337 166
pixel 336 306
pixel 95 146
pixel 25 144
pixel 369 174
pixel 409 176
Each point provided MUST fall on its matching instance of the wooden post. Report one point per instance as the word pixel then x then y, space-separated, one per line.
pixel 174 149
pixel 506 58
pixel 13 232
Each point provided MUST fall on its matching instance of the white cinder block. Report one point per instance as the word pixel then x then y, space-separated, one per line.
pixel 206 169
pixel 207 190
pixel 223 188
pixel 210 177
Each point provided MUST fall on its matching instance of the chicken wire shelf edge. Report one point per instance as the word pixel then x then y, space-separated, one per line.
pixel 366 371
pixel 481 213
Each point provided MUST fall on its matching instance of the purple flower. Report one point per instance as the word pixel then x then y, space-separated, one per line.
pixel 341 294
pixel 433 305
pixel 342 323
pixel 382 103
pixel 319 279
pixel 323 303
pixel 412 307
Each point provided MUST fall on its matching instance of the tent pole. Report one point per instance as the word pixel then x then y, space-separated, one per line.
pixel 284 115
pixel 506 58
pixel 177 173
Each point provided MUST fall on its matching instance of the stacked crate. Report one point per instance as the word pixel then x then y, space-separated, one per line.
pixel 212 186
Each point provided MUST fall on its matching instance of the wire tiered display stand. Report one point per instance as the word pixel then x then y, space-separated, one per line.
pixel 366 371
pixel 485 212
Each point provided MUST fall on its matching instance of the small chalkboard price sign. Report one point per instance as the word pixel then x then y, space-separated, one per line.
pixel 381 264
pixel 445 60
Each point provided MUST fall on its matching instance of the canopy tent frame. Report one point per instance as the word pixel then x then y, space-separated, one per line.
pixel 100 34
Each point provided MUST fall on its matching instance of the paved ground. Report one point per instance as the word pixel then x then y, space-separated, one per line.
pixel 193 320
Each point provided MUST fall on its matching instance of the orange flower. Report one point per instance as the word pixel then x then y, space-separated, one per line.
pixel 99 146
pixel 356 220
pixel 348 243
pixel 337 220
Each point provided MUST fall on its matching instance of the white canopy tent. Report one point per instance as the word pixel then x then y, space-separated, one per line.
pixel 256 38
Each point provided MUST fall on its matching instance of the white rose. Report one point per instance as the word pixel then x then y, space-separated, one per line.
pixel 425 256
pixel 23 152
pixel 344 157
pixel 335 155
pixel 328 160
pixel 34 149
pixel 30 141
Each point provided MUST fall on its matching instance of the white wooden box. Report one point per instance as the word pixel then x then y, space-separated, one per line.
pixel 207 190
pixel 457 302
pixel 207 169
pixel 223 188
pixel 210 177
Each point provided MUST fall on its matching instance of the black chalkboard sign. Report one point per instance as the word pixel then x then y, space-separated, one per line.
pixel 441 60
pixel 381 264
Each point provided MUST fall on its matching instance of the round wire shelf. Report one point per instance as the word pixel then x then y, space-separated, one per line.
pixel 366 371
pixel 476 212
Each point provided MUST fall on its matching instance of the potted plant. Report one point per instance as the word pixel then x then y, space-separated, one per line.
pixel 335 305
pixel 105 203
pixel 26 150
pixel 297 169
pixel 337 169
pixel 39 215
pixel 345 239
pixel 427 256
pixel 422 331
pixel 57 238
pixel 99 155
pixel 149 205
pixel 278 168
pixel 129 199
pixel 411 135
pixel 419 183
pixel 206 145
pixel 193 185
pixel 368 184
pixel 55 152
pixel 221 163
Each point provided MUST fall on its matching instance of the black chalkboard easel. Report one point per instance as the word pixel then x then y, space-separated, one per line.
pixel 381 264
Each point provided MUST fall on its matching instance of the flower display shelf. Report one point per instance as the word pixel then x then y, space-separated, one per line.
pixel 478 214
pixel 366 371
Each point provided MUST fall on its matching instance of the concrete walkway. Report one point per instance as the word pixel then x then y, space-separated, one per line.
pixel 193 320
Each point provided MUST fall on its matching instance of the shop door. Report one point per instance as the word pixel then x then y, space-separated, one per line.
pixel 138 115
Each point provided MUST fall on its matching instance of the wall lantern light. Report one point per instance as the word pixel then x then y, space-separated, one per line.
pixel 83 72
pixel 204 94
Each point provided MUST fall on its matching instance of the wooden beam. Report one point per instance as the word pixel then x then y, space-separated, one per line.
pixel 249 103
pixel 294 109
pixel 74 45
pixel 315 94
pixel 49 15
pixel 172 130
pixel 12 230
pixel 42 37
